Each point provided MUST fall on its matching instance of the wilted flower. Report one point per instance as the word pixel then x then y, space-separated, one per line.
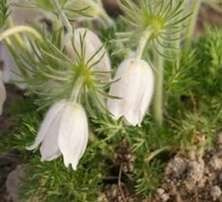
pixel 2 93
pixel 92 47
pixel 134 87
pixel 63 131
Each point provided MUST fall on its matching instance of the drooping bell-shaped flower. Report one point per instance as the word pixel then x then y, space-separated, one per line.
pixel 134 85
pixel 93 49
pixel 63 131
pixel 2 93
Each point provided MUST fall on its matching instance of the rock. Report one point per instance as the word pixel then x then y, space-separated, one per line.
pixel 163 195
pixel 13 182
pixel 176 167
pixel 195 175
pixel 215 192
pixel 216 162
pixel 219 140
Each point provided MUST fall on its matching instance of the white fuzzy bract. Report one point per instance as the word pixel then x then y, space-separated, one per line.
pixel 63 131
pixel 92 44
pixel 133 85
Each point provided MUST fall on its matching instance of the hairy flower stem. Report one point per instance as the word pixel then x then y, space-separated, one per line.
pixel 142 43
pixel 64 18
pixel 159 62
pixel 18 29
pixel 76 90
pixel 158 92
pixel 196 4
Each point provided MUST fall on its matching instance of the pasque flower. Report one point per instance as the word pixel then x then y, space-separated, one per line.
pixel 92 47
pixel 63 131
pixel 133 87
pixel 2 93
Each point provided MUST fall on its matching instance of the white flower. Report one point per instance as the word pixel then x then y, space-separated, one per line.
pixel 2 93
pixel 134 87
pixel 92 44
pixel 63 131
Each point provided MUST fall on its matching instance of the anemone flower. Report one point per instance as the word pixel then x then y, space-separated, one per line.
pixel 63 131
pixel 133 86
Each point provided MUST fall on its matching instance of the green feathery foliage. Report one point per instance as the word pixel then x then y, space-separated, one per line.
pixel 4 12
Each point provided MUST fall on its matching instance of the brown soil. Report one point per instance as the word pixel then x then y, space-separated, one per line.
pixel 193 179
pixel 10 159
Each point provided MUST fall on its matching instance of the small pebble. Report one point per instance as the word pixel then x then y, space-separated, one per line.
pixel 195 175
pixel 176 167
pixel 163 195
pixel 219 139
pixel 216 162
pixel 215 192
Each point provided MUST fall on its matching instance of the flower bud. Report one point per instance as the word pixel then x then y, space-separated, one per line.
pixel 134 87
pixel 63 131
pixel 92 44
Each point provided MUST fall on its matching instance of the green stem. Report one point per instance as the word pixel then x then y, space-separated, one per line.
pixel 179 35
pixel 159 62
pixel 196 4
pixel 157 152
pixel 142 43
pixel 76 90
pixel 64 18
pixel 158 96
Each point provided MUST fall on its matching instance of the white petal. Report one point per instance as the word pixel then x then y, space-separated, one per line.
pixel 73 134
pixel 118 89
pixel 2 94
pixel 49 148
pixel 135 87
pixel 140 90
pixel 133 92
pixel 148 84
pixel 92 45
pixel 50 117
